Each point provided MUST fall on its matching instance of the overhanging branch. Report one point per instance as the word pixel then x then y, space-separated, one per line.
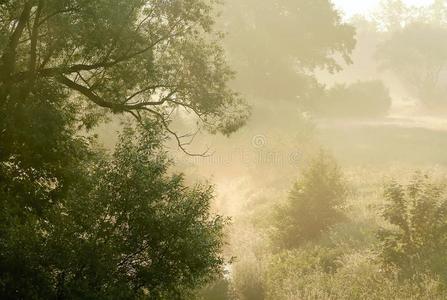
pixel 134 111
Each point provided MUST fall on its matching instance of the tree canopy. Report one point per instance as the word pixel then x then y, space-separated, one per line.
pixel 124 229
pixel 78 223
pixel 144 58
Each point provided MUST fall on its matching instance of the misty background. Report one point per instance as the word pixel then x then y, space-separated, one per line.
pixel 235 149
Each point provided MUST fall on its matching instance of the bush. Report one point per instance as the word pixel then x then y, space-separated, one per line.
pixel 417 240
pixel 128 229
pixel 358 100
pixel 313 205
pixel 300 274
pixel 248 281
pixel 218 290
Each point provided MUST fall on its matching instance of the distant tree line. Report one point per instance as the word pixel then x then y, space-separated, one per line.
pixel 362 99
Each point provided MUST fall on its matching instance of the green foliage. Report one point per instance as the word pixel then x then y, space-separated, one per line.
pixel 314 204
pixel 300 275
pixel 219 290
pixel 346 262
pixel 418 237
pixel 309 259
pixel 125 229
pixel 248 279
pixel 141 58
pixel 76 223
pixel 294 274
pixel 358 100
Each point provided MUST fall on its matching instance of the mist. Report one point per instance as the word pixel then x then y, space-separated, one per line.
pixel 236 149
pixel 365 114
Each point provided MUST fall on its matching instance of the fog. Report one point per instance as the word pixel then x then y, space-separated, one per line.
pixel 236 149
pixel 306 68
pixel 285 127
pixel 373 143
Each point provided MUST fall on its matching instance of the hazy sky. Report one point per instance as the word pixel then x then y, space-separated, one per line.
pixel 352 7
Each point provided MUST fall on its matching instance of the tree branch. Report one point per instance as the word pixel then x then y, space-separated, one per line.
pixel 115 107
pixel 178 138
pixel 9 55
pixel 33 44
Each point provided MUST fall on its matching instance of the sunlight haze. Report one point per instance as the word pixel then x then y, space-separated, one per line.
pixel 223 150
pixel 353 7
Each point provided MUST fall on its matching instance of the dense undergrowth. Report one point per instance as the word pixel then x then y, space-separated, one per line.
pixel 363 254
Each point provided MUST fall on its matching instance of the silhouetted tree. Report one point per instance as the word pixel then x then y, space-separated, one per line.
pixel 142 58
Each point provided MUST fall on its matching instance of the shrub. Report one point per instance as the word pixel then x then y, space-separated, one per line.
pixel 128 229
pixel 300 274
pixel 417 240
pixel 313 205
pixel 218 290
pixel 247 279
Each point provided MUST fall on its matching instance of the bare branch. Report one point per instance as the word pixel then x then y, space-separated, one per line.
pixel 178 138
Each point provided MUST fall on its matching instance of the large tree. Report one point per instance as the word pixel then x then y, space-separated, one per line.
pixel 75 222
pixel 137 57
